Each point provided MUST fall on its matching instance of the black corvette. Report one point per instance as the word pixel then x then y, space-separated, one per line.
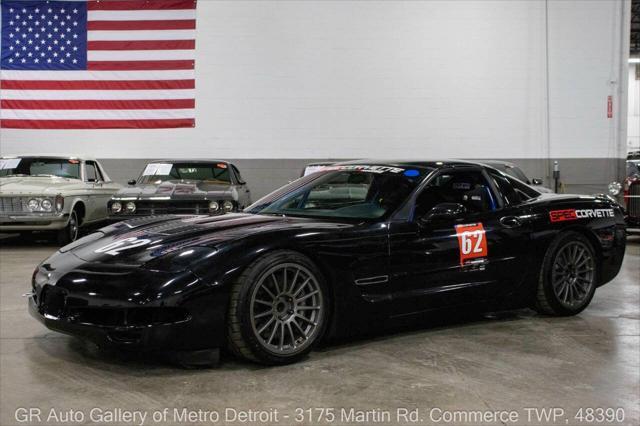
pixel 328 254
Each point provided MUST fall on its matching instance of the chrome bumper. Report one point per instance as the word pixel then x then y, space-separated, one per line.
pixel 32 221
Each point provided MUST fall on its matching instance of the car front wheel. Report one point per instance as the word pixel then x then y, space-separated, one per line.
pixel 70 232
pixel 568 278
pixel 278 309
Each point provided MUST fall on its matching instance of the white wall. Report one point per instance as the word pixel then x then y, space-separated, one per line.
pixel 633 119
pixel 341 79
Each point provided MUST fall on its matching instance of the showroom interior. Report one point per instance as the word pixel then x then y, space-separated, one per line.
pixel 547 92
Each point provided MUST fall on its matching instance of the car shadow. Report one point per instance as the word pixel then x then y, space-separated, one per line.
pixel 75 350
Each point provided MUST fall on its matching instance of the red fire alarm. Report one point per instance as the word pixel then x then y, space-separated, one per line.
pixel 609 106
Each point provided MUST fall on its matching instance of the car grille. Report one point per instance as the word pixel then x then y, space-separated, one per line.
pixel 172 207
pixel 13 204
pixel 52 301
pixel 633 204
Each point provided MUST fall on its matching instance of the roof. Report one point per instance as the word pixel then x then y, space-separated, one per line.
pixel 61 156
pixel 191 160
pixel 434 164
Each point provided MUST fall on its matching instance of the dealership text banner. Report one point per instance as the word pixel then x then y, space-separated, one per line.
pixel 105 64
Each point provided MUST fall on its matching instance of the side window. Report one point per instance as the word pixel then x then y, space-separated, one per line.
pixel 92 172
pixel 509 194
pixel 238 176
pixel 466 187
pixel 525 192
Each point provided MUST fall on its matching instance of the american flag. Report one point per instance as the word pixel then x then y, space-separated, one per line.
pixel 97 64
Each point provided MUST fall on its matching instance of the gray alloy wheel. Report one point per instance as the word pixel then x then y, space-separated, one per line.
pixel 70 232
pixel 286 307
pixel 278 309
pixel 573 274
pixel 568 277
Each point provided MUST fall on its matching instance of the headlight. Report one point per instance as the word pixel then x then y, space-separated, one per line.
pixel 59 203
pixel 227 206
pixel 116 207
pixel 614 188
pixel 46 204
pixel 214 206
pixel 33 204
pixel 131 207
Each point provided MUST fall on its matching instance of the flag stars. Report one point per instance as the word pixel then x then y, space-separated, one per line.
pixel 59 46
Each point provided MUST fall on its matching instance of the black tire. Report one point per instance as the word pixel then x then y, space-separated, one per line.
pixel 572 277
pixel 244 338
pixel 71 232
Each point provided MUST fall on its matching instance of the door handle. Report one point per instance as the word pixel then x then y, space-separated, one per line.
pixel 510 221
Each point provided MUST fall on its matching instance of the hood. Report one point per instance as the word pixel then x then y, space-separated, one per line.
pixel 179 189
pixel 37 185
pixel 138 241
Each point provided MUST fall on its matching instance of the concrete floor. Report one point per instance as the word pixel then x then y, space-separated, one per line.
pixel 512 362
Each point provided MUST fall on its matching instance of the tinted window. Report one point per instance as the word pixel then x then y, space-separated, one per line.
pixel 209 172
pixel 524 191
pixel 466 187
pixel 33 166
pixel 342 194
pixel 509 194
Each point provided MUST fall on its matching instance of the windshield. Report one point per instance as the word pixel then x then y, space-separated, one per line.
pixel 156 173
pixel 633 168
pixel 358 192
pixel 40 166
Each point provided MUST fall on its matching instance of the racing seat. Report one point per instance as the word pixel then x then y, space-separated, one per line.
pixel 479 199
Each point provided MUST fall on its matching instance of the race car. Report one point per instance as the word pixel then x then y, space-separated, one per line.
pixel 327 255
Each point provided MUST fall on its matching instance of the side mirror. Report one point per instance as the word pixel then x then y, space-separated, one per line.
pixel 131 182
pixel 444 211
pixel 536 181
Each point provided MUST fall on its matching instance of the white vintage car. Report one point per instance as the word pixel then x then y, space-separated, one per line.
pixel 53 193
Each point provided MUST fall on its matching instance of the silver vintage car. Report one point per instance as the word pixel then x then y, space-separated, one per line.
pixel 53 193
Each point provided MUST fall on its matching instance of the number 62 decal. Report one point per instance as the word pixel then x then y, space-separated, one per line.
pixel 472 241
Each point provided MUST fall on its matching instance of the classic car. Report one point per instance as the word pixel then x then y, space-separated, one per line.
pixel 53 193
pixel 330 254
pixel 182 187
pixel 514 171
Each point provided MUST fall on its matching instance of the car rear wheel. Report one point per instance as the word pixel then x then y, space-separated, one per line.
pixel 278 309
pixel 568 277
pixel 70 232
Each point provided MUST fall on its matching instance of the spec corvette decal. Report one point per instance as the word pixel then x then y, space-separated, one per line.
pixel 366 168
pixel 472 241
pixel 574 214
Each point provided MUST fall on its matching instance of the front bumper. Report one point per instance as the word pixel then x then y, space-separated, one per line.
pixel 33 222
pixel 138 337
